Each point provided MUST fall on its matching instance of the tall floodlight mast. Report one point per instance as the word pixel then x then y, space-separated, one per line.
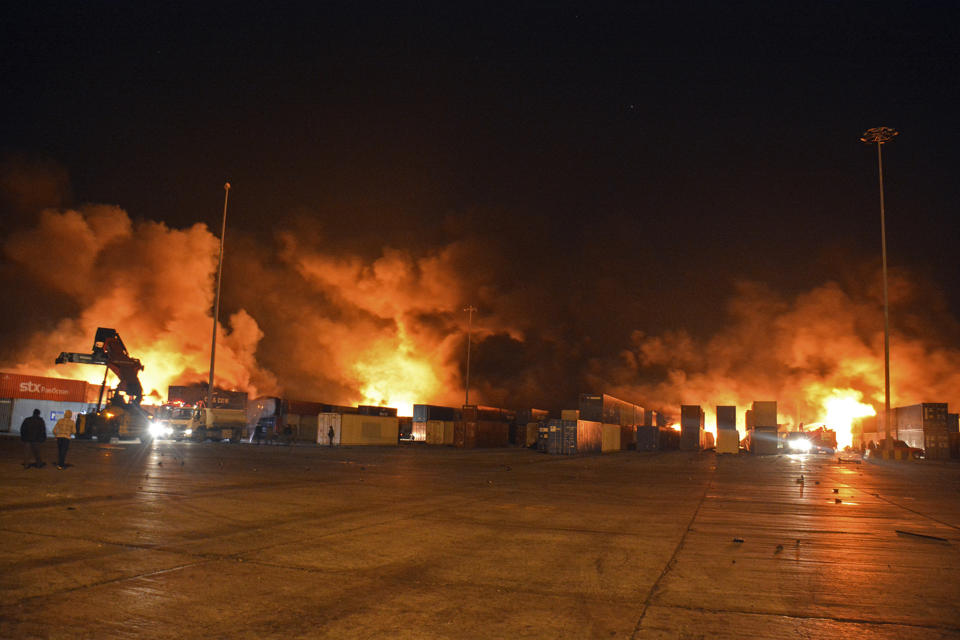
pixel 880 136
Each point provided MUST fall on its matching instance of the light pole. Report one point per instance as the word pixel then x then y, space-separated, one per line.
pixel 216 298
pixel 470 311
pixel 880 136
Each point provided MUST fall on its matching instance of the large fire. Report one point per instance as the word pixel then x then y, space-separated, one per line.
pixel 313 323
pixel 841 409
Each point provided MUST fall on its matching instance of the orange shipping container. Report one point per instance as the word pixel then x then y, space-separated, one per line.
pixel 15 385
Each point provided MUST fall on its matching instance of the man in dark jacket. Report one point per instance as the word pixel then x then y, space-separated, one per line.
pixel 33 432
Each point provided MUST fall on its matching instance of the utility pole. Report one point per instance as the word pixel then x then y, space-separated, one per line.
pixel 880 136
pixel 470 311
pixel 216 298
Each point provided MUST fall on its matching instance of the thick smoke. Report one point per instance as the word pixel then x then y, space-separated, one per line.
pixel 314 319
pixel 151 283
pixel 800 351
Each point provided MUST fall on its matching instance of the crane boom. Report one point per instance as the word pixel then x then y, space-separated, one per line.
pixel 108 349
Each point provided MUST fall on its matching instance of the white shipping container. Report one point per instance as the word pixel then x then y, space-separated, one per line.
pixel 324 422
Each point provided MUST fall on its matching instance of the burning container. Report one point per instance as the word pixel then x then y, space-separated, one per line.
pixel 648 438
pixel 691 427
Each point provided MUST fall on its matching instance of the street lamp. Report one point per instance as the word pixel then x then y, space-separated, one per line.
pixel 880 136
pixel 470 311
pixel 216 299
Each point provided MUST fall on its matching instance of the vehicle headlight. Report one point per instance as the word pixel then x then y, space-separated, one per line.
pixel 160 429
pixel 800 444
pixel 187 432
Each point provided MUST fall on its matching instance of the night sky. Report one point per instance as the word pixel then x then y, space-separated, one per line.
pixel 639 158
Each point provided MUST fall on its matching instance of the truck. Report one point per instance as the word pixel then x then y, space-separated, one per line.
pixel 122 415
pixel 198 423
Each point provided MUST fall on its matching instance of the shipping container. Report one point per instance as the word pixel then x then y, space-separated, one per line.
pixel 954 444
pixel 570 414
pixel 16 410
pixel 569 437
pixel 669 439
pixel 953 422
pixel 424 412
pixel 628 437
pixel 589 436
pixel 609 410
pixel 609 437
pixel 481 433
pixel 533 431
pixel 648 438
pixel 372 410
pixel 405 424
pixel 196 393
pixel 543 435
pixel 764 413
pixel 472 413
pixel 924 426
pixel 691 427
pixel 555 437
pixel 726 418
pixel 15 385
pixel 764 441
pixel 418 431
pixel 434 432
pixel 728 441
pixel 357 429
pixel 325 422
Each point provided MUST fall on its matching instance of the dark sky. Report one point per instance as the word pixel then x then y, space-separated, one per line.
pixel 658 149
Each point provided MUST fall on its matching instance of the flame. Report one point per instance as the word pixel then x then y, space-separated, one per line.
pixel 841 409
pixel 396 375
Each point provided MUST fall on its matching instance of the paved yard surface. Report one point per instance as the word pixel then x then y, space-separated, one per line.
pixel 239 541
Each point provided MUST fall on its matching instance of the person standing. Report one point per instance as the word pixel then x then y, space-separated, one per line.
pixel 33 433
pixel 330 434
pixel 64 428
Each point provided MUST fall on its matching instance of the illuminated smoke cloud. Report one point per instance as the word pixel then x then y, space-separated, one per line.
pixel 151 283
pixel 820 345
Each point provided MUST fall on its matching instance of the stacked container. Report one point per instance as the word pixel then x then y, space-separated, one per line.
pixel 728 440
pixel 691 427
pixel 925 426
pixel 764 431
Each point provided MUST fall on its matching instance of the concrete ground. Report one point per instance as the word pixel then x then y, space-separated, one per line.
pixel 239 541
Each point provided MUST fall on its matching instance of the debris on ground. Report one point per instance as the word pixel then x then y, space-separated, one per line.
pixel 836 490
pixel 738 540
pixel 922 536
pixel 779 549
pixel 837 500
